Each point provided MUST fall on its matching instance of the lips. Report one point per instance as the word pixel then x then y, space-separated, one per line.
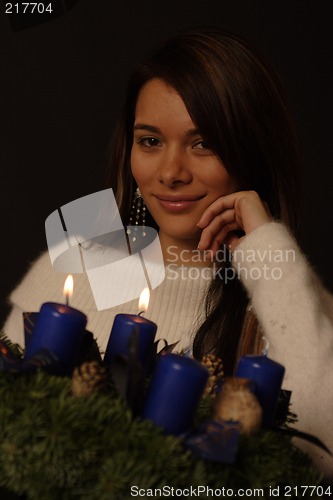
pixel 177 202
pixel 178 197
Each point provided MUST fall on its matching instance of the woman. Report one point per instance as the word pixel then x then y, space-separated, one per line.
pixel 206 137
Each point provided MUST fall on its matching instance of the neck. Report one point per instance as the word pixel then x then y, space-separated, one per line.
pixel 183 252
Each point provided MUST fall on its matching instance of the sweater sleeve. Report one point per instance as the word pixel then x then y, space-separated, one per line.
pixel 296 313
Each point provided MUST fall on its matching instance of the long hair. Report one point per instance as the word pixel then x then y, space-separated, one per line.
pixel 237 102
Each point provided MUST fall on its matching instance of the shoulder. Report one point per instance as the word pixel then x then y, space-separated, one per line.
pixel 42 283
pixel 270 258
pixel 38 282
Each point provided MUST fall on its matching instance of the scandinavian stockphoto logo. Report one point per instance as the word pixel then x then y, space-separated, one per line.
pixel 87 235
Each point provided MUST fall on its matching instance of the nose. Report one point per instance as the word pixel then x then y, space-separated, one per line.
pixel 174 169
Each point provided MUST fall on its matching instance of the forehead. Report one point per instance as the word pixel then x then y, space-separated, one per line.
pixel 159 102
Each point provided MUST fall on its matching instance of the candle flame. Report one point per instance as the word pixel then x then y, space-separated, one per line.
pixel 68 287
pixel 144 300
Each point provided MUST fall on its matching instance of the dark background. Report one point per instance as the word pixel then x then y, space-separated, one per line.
pixel 62 85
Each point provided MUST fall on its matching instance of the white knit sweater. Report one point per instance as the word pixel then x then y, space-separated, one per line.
pixel 174 305
pixel 293 307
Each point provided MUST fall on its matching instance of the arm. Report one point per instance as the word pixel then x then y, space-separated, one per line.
pixel 292 305
pixel 296 313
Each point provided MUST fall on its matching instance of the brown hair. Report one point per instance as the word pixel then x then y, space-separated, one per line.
pixel 237 102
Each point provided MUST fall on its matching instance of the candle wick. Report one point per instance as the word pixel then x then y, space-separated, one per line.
pixel 141 312
pixel 67 299
pixel 266 346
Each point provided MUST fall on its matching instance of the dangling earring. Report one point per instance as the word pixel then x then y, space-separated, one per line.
pixel 137 215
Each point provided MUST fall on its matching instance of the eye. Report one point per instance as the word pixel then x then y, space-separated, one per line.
pixel 202 145
pixel 149 142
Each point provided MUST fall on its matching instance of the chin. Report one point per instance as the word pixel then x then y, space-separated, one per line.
pixel 182 232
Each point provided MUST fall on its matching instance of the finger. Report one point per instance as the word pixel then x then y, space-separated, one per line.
pixel 232 241
pixel 220 220
pixel 219 238
pixel 218 206
pixel 267 208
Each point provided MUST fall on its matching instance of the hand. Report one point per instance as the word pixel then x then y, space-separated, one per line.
pixel 243 210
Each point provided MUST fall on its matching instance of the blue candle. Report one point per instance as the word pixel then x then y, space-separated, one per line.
pixel 174 393
pixel 59 328
pixel 124 326
pixel 267 376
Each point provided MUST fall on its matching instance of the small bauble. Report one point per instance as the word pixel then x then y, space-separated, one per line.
pixel 237 403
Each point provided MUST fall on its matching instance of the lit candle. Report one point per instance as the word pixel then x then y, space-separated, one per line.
pixel 59 329
pixel 267 376
pixel 127 325
pixel 174 393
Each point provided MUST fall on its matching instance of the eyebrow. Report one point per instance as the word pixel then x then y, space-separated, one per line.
pixel 151 128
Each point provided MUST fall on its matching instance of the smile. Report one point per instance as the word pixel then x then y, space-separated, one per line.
pixel 178 203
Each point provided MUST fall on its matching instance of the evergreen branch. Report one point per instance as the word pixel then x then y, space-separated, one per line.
pixel 55 446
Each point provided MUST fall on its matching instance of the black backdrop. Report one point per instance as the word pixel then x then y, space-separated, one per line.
pixel 62 85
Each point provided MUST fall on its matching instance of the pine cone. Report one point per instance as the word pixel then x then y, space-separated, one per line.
pixel 215 367
pixel 88 378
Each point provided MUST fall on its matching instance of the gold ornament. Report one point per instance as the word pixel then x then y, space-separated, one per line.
pixel 215 367
pixel 237 403
pixel 88 378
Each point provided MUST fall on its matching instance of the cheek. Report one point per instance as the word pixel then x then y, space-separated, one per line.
pixel 216 177
pixel 139 168
pixel 133 163
pixel 227 183
pixel 143 170
pixel 136 170
pixel 231 185
pixel 222 183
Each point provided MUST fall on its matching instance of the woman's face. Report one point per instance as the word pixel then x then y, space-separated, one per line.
pixel 178 175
